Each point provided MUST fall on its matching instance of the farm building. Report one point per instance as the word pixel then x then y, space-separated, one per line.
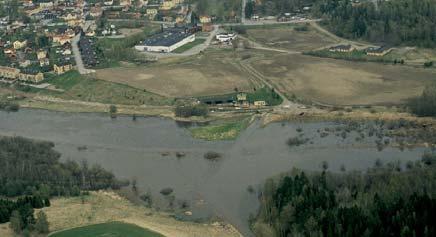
pixel 225 37
pixel 167 41
pixel 377 51
pixel 342 48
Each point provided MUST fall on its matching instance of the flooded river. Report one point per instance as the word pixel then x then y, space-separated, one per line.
pixel 219 188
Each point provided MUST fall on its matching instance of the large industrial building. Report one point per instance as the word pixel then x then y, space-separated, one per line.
pixel 167 40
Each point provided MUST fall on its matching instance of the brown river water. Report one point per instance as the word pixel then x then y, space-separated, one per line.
pixel 213 188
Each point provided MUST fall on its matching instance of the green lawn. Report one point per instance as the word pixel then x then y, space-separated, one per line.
pixel 111 229
pixel 67 80
pixel 189 45
pixel 265 94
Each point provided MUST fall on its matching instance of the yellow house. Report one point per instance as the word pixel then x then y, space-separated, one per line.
pixel 180 19
pixel 205 19
pixel 151 13
pixel 9 72
pixel 20 44
pixel 61 39
pixel 36 77
pixel 241 97
pixel 125 2
pixel 75 22
pixel 260 103
pixel 167 5
pixel 41 54
pixel 61 69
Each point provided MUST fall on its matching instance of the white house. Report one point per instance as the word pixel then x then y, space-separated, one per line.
pixel 225 37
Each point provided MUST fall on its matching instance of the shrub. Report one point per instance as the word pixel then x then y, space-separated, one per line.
pixel 166 191
pixel 296 141
pixel 425 105
pixel 191 110
pixel 211 155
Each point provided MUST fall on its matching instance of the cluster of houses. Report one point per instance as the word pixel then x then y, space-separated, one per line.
pixel 237 100
pixel 22 75
pixel 30 54
pixel 370 51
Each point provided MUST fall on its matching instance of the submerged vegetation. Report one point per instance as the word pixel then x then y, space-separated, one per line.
pixel 223 131
pixel 387 200
pixel 425 105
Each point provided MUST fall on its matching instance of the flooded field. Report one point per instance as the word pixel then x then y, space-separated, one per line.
pixel 161 154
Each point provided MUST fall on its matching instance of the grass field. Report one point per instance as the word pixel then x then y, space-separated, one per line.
pixel 224 131
pixel 78 87
pixel 111 229
pixel 287 37
pixel 340 82
pixel 189 45
pixel 213 72
pixel 108 207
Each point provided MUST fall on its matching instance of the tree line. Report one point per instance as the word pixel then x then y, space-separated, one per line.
pixel 387 200
pixel 29 167
pixel 400 22
pixel 31 170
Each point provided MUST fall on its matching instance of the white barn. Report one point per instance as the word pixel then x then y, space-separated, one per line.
pixel 166 41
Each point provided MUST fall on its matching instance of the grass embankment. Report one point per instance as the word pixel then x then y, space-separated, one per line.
pixel 356 55
pixel 113 229
pixel 189 45
pixel 224 131
pixel 74 86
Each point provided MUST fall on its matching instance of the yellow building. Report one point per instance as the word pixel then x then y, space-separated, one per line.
pixel 9 72
pixel 260 103
pixel 167 5
pixel 31 77
pixel 205 19
pixel 41 54
pixel 19 44
pixel 151 13
pixel 61 69
pixel 61 39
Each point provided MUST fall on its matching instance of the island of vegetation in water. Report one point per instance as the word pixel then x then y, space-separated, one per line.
pixel 387 200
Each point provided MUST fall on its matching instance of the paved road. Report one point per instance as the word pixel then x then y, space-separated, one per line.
pixel 78 57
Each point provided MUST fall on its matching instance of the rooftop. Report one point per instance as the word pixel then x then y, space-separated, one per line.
pixel 168 37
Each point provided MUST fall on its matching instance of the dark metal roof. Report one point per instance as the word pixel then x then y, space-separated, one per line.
pixel 168 37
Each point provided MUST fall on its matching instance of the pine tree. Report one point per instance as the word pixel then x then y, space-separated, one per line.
pixel 16 223
pixel 42 225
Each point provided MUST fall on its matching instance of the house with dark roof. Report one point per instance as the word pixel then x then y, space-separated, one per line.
pixel 378 51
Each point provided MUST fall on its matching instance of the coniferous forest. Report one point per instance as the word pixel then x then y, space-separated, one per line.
pixel 399 22
pixel 32 171
pixel 387 200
